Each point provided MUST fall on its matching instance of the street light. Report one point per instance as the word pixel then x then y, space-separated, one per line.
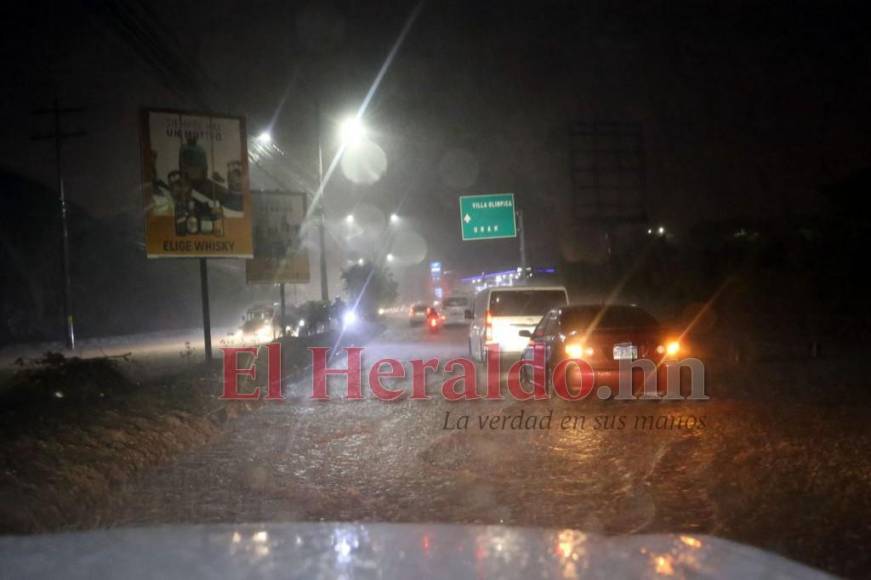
pixel 361 261
pixel 351 131
pixel 264 138
pixel 394 218
pixel 389 257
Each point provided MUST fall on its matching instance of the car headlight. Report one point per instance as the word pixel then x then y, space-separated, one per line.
pixel 349 318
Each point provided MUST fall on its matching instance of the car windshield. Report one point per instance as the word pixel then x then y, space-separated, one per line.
pixel 525 302
pixel 343 263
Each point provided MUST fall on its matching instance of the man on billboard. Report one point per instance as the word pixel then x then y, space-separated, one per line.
pixel 196 185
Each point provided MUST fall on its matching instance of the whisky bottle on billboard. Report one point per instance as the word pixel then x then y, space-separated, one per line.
pixel 218 218
pixel 181 218
pixel 206 220
pixel 193 224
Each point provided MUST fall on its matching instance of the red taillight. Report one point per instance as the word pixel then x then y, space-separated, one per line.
pixel 433 321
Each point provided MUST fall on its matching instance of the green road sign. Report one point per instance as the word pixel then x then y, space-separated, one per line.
pixel 486 217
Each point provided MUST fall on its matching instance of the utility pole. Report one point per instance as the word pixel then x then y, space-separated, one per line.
pixel 325 293
pixel 58 135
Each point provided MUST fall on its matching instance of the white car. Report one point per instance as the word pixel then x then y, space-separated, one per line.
pixel 500 313
pixel 359 550
pixel 454 309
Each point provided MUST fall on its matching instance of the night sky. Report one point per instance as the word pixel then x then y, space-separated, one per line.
pixel 747 107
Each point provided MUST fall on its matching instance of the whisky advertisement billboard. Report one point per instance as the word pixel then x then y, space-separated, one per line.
pixel 279 256
pixel 195 183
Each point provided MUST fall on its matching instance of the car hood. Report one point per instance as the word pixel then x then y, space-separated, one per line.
pixel 336 550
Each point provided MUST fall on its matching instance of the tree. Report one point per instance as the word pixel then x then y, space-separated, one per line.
pixel 370 287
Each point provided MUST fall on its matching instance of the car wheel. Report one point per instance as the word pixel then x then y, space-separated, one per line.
pixel 526 382
pixel 476 356
pixel 548 381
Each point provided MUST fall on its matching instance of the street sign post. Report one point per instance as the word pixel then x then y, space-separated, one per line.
pixel 487 217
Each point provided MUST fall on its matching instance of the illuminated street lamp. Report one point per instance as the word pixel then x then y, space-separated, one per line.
pixel 389 257
pixel 394 218
pixel 264 138
pixel 361 261
pixel 351 131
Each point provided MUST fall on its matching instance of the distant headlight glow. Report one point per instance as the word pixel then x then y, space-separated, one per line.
pixel 264 333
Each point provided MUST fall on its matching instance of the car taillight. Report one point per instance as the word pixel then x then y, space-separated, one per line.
pixel 433 321
pixel 670 348
pixel 577 350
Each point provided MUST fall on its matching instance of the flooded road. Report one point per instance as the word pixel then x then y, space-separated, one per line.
pixel 597 466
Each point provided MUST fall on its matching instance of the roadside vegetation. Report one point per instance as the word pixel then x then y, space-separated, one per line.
pixel 75 429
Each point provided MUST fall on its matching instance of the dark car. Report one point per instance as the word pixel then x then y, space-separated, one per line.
pixel 417 314
pixel 602 337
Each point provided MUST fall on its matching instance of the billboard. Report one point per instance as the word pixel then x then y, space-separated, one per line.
pixel 608 172
pixel 195 184
pixel 279 257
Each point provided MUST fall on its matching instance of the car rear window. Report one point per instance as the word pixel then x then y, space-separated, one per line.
pixel 613 317
pixel 457 302
pixel 525 302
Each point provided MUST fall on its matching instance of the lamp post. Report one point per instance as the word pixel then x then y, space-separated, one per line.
pixel 325 292
pixel 351 132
